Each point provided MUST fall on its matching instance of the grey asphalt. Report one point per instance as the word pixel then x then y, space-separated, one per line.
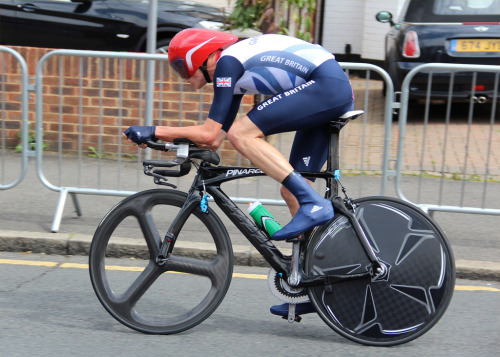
pixel 28 209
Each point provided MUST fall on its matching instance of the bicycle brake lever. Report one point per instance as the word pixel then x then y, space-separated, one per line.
pixel 160 180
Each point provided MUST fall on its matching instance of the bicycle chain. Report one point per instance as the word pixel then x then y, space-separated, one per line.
pixel 280 288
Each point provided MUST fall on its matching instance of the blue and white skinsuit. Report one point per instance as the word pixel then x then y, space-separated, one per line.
pixel 308 89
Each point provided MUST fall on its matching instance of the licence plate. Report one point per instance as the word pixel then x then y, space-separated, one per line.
pixel 475 45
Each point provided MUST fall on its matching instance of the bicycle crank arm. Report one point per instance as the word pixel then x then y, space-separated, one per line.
pixel 294 277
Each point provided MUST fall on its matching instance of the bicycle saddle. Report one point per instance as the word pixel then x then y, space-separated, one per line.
pixel 350 115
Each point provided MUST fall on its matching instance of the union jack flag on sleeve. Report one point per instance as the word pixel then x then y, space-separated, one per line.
pixel 223 82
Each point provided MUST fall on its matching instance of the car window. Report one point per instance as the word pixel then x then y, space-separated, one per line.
pixel 421 11
pixel 467 7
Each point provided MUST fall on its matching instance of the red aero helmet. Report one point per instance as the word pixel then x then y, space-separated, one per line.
pixel 191 47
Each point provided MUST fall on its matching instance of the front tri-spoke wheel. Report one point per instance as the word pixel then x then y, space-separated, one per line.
pixel 402 304
pixel 153 298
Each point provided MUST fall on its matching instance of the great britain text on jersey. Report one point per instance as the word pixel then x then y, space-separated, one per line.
pixel 286 62
pixel 277 97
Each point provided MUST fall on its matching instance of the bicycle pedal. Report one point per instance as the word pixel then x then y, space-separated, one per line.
pixel 299 238
pixel 292 316
pixel 297 318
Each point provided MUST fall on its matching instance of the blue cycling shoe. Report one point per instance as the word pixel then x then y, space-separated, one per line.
pixel 300 309
pixel 307 217
pixel 314 210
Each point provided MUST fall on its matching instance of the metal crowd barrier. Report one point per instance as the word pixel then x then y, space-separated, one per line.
pixel 470 184
pixel 389 105
pixel 91 172
pixel 83 88
pixel 98 172
pixel 13 166
pixel 121 176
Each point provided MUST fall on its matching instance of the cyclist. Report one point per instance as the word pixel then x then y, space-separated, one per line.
pixel 307 87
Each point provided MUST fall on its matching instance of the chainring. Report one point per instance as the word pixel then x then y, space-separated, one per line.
pixel 280 288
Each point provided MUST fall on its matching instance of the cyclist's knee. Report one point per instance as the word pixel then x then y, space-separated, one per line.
pixel 236 133
pixel 242 129
pixel 232 135
pixel 234 138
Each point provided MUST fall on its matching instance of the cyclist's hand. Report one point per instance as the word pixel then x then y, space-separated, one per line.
pixel 140 134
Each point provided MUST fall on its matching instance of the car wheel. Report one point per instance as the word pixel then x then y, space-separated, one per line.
pixel 162 45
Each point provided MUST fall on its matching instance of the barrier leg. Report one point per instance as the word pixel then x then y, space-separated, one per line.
pixel 59 210
pixel 77 204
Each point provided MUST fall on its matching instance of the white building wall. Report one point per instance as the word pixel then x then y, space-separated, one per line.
pixel 223 4
pixel 342 25
pixel 349 22
pixel 353 22
pixel 374 32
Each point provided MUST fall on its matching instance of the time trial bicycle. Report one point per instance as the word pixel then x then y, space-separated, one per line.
pixel 381 272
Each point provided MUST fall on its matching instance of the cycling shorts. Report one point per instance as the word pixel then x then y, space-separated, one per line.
pixel 307 109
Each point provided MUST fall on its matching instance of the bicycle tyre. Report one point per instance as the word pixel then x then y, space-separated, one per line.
pixel 406 303
pixel 217 268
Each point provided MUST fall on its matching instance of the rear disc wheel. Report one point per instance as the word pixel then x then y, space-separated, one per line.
pixel 409 299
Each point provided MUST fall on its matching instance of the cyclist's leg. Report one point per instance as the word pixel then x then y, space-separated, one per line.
pixel 309 151
pixel 246 137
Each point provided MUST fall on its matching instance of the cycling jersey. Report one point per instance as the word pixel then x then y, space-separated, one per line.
pixel 307 85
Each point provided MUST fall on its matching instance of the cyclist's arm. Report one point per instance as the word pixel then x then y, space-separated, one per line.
pixel 205 134
pixel 222 112
pixel 226 103
pixel 224 108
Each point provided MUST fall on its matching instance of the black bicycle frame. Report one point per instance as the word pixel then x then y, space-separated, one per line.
pixel 209 179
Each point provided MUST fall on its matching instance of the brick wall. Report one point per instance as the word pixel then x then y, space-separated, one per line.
pixel 87 102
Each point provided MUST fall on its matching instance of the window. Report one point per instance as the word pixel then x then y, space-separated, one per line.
pixel 467 7
pixel 456 11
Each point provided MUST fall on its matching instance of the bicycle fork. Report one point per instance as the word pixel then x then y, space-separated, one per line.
pixel 168 242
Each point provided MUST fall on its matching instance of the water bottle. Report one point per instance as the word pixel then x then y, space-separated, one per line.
pixel 263 218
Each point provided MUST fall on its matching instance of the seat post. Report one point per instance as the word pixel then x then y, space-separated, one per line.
pixel 333 160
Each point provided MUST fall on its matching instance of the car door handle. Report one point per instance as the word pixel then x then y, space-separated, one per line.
pixel 28 7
